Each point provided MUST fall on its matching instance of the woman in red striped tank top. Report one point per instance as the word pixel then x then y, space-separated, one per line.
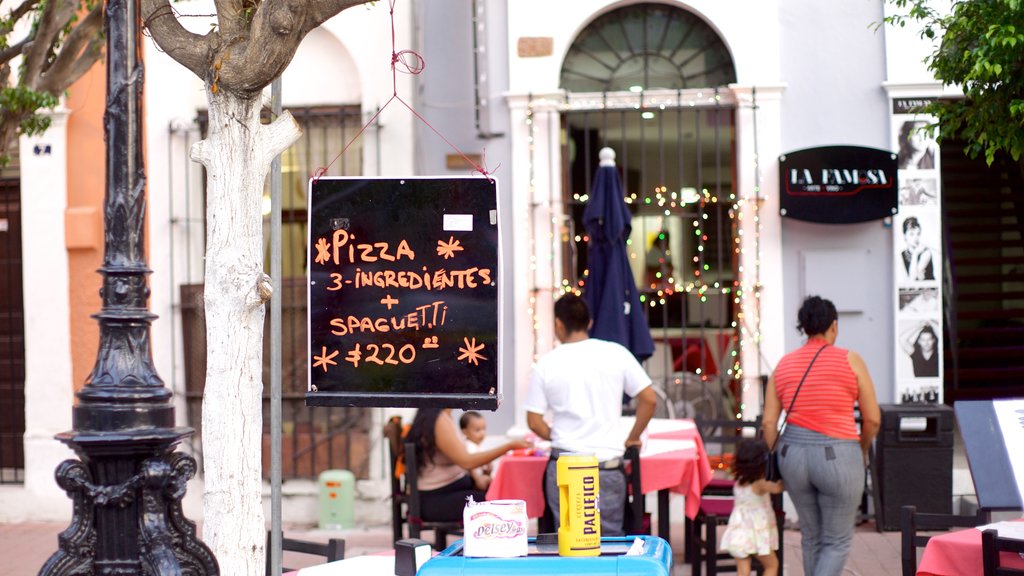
pixel 821 451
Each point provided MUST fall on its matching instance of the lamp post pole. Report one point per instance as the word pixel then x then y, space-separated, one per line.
pixel 128 483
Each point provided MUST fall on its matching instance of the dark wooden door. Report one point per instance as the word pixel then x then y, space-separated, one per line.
pixel 12 336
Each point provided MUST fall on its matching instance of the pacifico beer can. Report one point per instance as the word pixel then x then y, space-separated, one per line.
pixel 579 532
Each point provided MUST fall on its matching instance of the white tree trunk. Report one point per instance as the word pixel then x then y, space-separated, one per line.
pixel 237 155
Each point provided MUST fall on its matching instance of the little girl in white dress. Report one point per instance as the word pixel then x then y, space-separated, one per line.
pixel 752 530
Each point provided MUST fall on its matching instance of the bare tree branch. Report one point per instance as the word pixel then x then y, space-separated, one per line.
pixel 231 18
pixel 7 54
pixel 246 67
pixel 188 49
pixel 320 11
pixel 55 16
pixel 18 12
pixel 80 50
pixel 278 26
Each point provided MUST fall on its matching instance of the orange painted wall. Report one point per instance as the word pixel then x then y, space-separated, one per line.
pixel 84 224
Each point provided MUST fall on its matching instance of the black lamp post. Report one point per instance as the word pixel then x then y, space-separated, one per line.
pixel 128 484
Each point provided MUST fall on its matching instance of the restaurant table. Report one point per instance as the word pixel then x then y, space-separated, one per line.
pixel 382 564
pixel 959 554
pixel 672 459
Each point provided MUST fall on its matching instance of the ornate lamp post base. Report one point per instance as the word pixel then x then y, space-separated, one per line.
pixel 131 487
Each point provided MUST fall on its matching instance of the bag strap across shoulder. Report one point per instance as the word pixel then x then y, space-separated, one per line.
pixel 793 401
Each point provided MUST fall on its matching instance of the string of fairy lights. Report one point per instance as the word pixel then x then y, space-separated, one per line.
pixel 697 210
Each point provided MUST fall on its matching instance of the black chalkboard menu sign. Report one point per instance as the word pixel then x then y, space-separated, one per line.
pixel 403 292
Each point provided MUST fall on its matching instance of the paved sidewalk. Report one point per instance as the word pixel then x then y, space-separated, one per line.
pixel 25 547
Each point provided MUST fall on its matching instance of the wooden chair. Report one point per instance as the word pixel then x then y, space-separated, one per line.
pixel 636 520
pixel 701 547
pixel 912 522
pixel 414 517
pixel 991 545
pixel 393 436
pixel 333 549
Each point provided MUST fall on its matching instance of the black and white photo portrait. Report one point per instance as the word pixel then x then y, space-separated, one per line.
pixel 917 147
pixel 919 259
pixel 918 192
pixel 920 300
pixel 920 340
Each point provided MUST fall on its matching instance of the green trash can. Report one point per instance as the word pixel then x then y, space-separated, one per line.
pixel 337 499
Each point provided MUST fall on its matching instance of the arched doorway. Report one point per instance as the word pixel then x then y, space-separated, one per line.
pixel 650 81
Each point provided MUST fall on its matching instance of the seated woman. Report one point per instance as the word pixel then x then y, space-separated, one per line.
pixel 443 464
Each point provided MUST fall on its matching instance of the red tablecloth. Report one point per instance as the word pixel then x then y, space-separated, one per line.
pixel 684 471
pixel 959 554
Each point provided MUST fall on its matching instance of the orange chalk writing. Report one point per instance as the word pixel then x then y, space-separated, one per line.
pixel 426 316
pixel 342 249
pixel 471 352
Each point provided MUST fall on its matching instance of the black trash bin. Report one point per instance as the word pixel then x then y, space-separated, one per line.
pixel 913 461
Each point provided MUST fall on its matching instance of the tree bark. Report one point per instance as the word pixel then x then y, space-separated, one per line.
pixel 237 155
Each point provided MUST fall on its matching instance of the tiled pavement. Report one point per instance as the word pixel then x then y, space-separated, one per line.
pixel 24 548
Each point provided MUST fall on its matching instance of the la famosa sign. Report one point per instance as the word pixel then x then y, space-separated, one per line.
pixel 838 184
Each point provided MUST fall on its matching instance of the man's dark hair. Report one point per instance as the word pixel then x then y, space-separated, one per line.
pixel 468 417
pixel 573 312
pixel 816 315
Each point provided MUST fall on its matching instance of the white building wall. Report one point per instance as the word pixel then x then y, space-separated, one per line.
pixel 754 44
pixel 49 391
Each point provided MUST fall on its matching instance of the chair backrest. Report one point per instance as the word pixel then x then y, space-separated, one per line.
pixel 412 489
pixel 414 515
pixel 333 549
pixel 991 545
pixel 393 437
pixel 635 501
pixel 912 522
pixel 720 437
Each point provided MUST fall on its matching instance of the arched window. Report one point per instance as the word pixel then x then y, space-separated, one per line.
pixel 647 46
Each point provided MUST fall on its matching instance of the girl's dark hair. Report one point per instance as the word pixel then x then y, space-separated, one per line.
pixel 748 465
pixel 816 315
pixel 467 417
pixel 421 433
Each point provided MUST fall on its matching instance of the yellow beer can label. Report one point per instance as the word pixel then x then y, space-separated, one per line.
pixel 579 488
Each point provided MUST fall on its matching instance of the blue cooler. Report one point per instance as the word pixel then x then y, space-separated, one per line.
pixel 654 560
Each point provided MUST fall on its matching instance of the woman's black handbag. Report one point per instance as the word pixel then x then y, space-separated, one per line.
pixel 771 467
pixel 772 473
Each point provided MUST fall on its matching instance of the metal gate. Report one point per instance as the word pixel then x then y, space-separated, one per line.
pixel 313 439
pixel 676 161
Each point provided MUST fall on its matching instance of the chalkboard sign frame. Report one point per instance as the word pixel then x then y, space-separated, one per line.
pixel 455 363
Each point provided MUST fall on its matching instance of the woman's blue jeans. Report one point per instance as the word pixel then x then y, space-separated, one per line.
pixel 825 479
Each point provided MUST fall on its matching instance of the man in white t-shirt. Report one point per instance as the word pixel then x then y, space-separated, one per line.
pixel 581 383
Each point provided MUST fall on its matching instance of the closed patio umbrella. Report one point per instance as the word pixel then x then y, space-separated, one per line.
pixel 610 290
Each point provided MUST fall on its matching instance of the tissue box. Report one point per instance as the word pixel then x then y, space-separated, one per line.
pixel 495 529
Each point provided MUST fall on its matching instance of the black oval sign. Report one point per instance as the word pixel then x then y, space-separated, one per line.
pixel 838 184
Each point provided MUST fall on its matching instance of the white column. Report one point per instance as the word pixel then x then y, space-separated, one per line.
pixel 49 388
pixel 533 270
pixel 762 325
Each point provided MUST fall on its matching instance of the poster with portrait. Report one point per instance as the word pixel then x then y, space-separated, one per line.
pixel 918 245
pixel 919 391
pixel 917 257
pixel 920 343
pixel 919 301
pixel 917 147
